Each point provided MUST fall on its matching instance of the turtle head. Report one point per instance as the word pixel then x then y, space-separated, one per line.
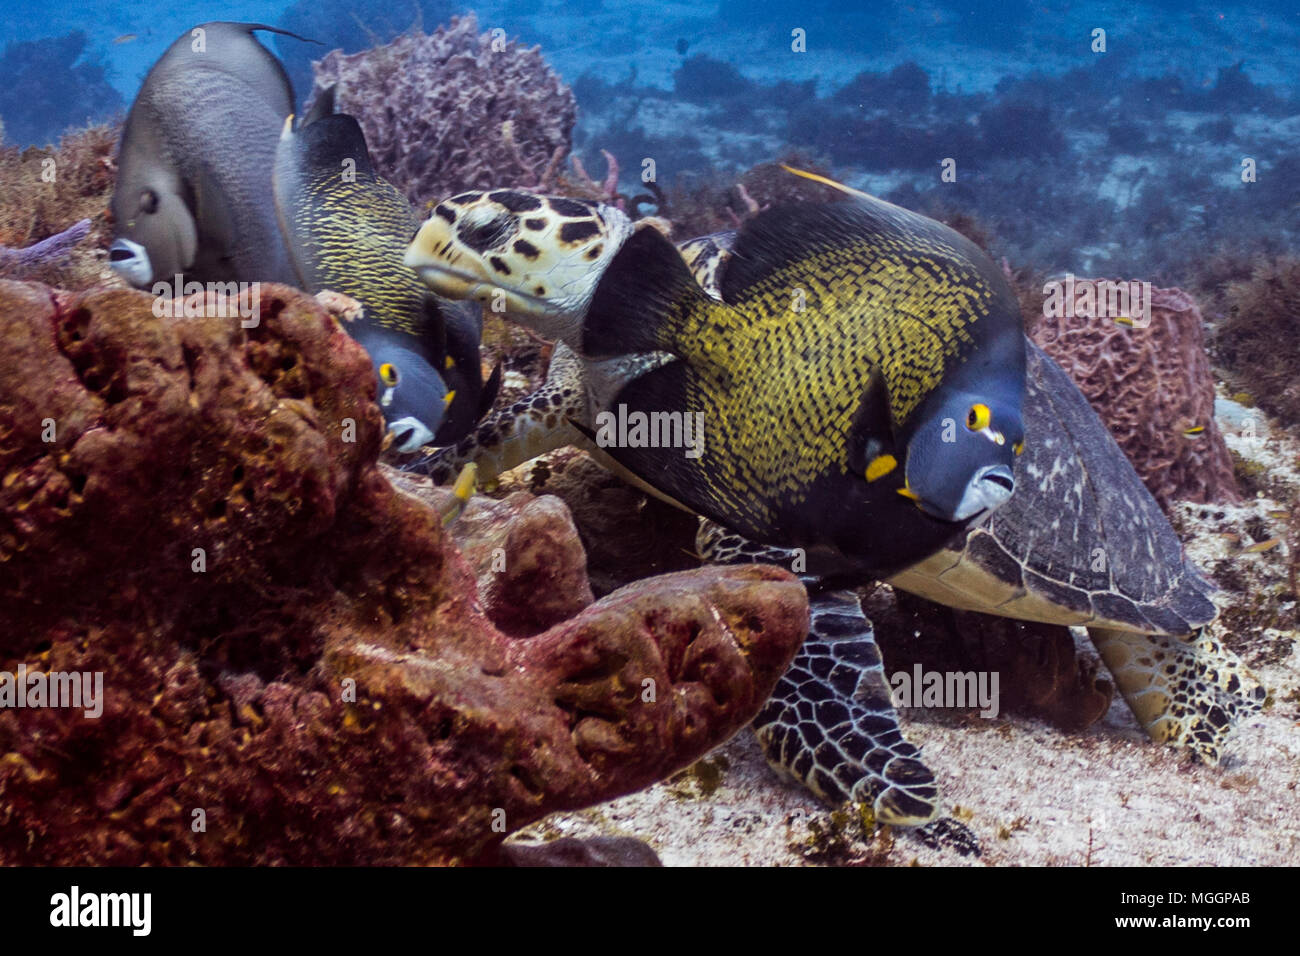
pixel 961 455
pixel 537 257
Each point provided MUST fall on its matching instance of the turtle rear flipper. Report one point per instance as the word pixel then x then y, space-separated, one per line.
pixel 1190 692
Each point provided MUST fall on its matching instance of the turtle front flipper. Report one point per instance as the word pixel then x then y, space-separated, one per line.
pixel 831 723
pixel 1189 692
pixel 539 422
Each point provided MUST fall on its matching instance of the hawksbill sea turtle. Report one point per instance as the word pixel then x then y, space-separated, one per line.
pixel 831 722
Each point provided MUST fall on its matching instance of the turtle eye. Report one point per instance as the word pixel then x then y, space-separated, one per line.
pixel 388 374
pixel 148 202
pixel 978 418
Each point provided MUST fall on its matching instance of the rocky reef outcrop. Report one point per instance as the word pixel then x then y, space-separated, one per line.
pixel 455 109
pixel 1154 390
pixel 296 663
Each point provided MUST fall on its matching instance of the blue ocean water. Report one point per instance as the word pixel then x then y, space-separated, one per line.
pixel 1122 156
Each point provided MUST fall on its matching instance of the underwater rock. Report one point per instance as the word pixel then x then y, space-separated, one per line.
pixel 446 112
pixel 1041 670
pixel 1259 338
pixel 1153 389
pixel 295 666
pixel 592 851
pixel 628 534
pixel 524 552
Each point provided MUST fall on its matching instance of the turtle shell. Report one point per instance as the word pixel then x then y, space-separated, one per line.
pixel 1081 541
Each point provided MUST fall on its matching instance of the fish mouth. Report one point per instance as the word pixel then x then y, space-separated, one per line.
pixel 988 489
pixel 130 260
pixel 410 434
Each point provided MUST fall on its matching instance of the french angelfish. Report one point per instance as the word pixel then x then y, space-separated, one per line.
pixel 346 229
pixel 193 193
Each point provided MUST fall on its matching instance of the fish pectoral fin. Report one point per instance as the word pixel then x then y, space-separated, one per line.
pixel 490 390
pixel 212 213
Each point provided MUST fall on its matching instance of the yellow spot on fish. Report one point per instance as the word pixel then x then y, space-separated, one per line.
pixel 1196 431
pixel 881 466
pixel 907 492
pixel 448 399
pixel 450 363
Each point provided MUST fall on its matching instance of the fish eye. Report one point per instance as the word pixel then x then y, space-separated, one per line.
pixel 149 202
pixel 978 417
pixel 388 374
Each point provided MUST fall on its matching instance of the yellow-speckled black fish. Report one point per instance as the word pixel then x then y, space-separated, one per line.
pixel 857 355
pixel 346 229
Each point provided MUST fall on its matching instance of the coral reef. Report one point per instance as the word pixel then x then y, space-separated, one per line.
pixel 1258 340
pixel 23 261
pixel 342 25
pixel 1153 389
pixel 46 90
pixel 296 668
pixel 722 201
pixel 1132 187
pixel 45 193
pixel 446 112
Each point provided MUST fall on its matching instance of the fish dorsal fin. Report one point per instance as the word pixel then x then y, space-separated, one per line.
pixel 322 107
pixel 645 295
pixel 826 181
pixel 491 388
pixel 791 239
pixel 328 141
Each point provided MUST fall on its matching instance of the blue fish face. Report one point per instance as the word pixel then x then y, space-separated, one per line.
pixel 961 456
